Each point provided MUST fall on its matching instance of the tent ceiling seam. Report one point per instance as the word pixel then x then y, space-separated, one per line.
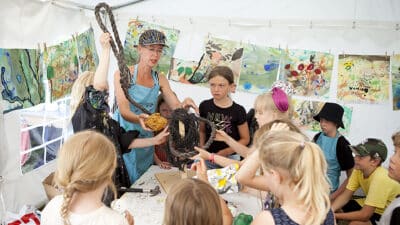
pixel 67 3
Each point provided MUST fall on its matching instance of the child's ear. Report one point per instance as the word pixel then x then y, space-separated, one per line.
pixel 233 88
pixel 276 176
pixel 376 161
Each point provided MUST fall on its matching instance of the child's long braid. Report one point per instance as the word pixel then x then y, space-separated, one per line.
pixel 67 196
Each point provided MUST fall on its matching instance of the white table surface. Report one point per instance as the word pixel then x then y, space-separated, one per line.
pixel 148 210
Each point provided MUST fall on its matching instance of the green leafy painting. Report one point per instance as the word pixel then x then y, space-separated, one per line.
pixel 182 70
pixel 87 54
pixel 61 63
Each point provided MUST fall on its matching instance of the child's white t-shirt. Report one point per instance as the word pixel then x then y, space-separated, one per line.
pixel 102 216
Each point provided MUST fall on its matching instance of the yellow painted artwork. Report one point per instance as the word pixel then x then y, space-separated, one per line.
pixel 363 78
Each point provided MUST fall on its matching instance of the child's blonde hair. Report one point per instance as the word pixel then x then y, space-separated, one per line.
pixel 78 89
pixel 85 161
pixel 396 139
pixel 192 202
pixel 266 102
pixel 306 168
pixel 267 127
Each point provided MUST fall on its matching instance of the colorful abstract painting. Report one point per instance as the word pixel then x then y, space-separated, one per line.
pixel 135 29
pixel 219 52
pixel 61 63
pixel 182 70
pixel 88 58
pixel 21 79
pixel 363 78
pixel 259 68
pixel 304 110
pixel 309 72
pixel 395 64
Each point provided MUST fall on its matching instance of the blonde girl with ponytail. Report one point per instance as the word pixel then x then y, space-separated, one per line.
pixel 295 171
pixel 85 166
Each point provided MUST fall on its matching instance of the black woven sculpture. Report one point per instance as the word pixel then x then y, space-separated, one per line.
pixel 181 144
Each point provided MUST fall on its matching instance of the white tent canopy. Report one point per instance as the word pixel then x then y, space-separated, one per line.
pixel 348 26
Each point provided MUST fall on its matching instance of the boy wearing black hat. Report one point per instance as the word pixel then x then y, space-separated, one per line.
pixel 334 145
pixel 373 179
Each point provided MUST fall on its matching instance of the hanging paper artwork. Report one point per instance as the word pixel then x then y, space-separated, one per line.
pixel 396 81
pixel 259 68
pixel 135 29
pixel 61 63
pixel 363 78
pixel 182 70
pixel 309 72
pixel 21 79
pixel 88 58
pixel 219 52
pixel 304 110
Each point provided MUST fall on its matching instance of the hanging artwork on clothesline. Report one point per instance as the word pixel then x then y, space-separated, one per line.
pixel 395 63
pixel 88 58
pixel 304 110
pixel 61 64
pixel 259 68
pixel 219 52
pixel 308 71
pixel 21 79
pixel 182 70
pixel 135 29
pixel 363 78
